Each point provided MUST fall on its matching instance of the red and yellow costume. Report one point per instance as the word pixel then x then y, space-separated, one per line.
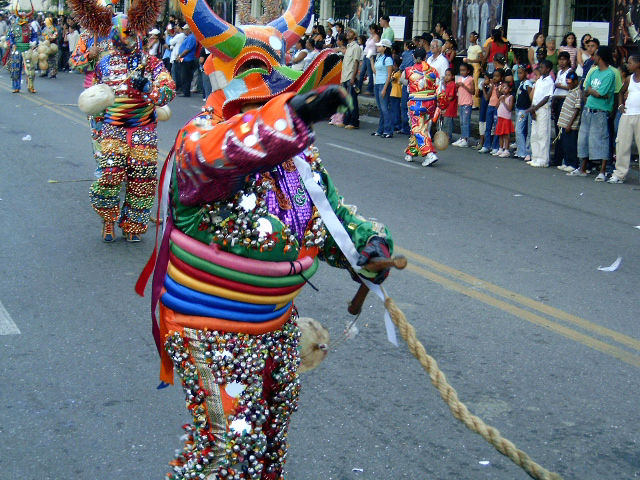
pixel 425 103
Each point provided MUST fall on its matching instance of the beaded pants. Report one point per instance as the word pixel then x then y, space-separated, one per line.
pixel 126 155
pixel 241 390
pixel 421 114
pixel 15 69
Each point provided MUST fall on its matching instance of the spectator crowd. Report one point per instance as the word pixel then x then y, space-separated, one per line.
pixel 575 106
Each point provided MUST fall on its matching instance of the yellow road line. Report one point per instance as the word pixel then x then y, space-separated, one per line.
pixel 591 342
pixel 522 300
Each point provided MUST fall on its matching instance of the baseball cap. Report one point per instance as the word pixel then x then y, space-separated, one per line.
pixel 331 21
pixel 385 42
pixel 186 27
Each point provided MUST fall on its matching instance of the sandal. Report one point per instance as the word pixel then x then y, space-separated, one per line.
pixel 133 237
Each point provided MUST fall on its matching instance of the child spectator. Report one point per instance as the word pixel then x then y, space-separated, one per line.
pixel 523 117
pixel 541 116
pixel 491 94
pixel 451 92
pixel 466 91
pixel 396 94
pixel 504 129
pixel 483 85
pixel 568 122
pixel 449 50
pixel 629 127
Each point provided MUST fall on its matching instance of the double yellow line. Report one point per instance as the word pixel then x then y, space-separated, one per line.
pixel 518 305
pixel 526 309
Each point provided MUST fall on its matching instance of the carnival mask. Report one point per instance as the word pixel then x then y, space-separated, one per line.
pixel 121 36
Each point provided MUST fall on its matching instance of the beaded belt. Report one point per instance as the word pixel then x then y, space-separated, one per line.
pixel 129 112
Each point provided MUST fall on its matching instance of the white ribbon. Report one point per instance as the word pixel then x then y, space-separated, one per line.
pixel 339 234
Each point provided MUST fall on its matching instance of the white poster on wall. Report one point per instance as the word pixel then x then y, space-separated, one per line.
pixel 599 30
pixel 520 31
pixel 397 24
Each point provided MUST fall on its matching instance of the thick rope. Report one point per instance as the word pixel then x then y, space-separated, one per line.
pixel 459 409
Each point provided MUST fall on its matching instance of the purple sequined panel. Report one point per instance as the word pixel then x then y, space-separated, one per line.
pixel 297 218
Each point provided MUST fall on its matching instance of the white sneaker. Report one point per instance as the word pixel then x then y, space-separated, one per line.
pixel 576 173
pixel 408 158
pixel 463 143
pixel 495 151
pixel 527 158
pixel 567 168
pixel 456 143
pixel 430 159
pixel 513 146
pixel 615 179
pixel 483 150
pixel 504 154
pixel 601 177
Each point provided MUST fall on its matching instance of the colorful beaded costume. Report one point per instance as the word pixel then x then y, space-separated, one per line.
pixel 242 238
pixel 127 150
pixel 424 106
pixel 20 36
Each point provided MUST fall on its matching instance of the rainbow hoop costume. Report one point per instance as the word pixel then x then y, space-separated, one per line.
pixel 424 106
pixel 128 143
pixel 242 238
pixel 19 52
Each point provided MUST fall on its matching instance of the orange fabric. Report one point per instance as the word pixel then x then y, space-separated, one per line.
pixel 172 321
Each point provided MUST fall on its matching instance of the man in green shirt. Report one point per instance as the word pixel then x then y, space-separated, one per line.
pixel 593 136
pixel 387 31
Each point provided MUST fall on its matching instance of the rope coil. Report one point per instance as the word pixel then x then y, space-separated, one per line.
pixel 459 409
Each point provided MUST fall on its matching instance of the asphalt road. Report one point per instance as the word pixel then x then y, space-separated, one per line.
pixel 502 288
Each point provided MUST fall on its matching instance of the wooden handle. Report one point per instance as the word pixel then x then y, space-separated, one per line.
pixel 375 265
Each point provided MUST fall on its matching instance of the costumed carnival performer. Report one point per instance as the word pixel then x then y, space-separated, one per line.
pixel 20 37
pixel 241 239
pixel 128 142
pixel 426 100
pixel 50 48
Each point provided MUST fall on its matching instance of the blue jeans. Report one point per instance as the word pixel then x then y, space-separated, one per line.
pixel 394 105
pixel 404 111
pixel 523 133
pixel 465 121
pixel 385 125
pixel 490 138
pixel 447 127
pixel 366 70
pixel 593 137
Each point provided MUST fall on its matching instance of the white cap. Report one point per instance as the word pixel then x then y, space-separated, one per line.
pixel 385 42
pixel 155 31
pixel 331 21
pixel 186 27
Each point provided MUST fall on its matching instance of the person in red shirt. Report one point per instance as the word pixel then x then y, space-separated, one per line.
pixel 451 92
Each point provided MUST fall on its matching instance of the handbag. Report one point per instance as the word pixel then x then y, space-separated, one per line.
pixel 440 138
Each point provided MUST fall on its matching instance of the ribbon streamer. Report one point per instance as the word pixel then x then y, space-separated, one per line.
pixel 339 234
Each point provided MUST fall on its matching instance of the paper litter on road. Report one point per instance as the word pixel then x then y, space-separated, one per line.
pixel 517 195
pixel 484 462
pixel 26 138
pixel 360 470
pixel 637 226
pixel 613 267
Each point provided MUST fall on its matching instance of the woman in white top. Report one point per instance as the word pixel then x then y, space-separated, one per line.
pixel 297 63
pixel 583 55
pixel 311 53
pixel 369 52
pixel 538 41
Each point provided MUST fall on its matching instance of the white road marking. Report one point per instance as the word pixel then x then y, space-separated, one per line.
pixel 7 327
pixel 377 157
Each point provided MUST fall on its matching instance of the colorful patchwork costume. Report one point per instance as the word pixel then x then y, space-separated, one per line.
pixel 128 142
pixel 242 238
pixel 19 37
pixel 424 106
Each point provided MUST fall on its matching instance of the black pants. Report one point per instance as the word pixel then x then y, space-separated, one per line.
pixel 556 107
pixel 186 76
pixel 352 117
pixel 569 141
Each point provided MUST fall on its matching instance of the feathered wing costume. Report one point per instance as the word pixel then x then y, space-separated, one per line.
pixel 241 239
pixel 128 143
